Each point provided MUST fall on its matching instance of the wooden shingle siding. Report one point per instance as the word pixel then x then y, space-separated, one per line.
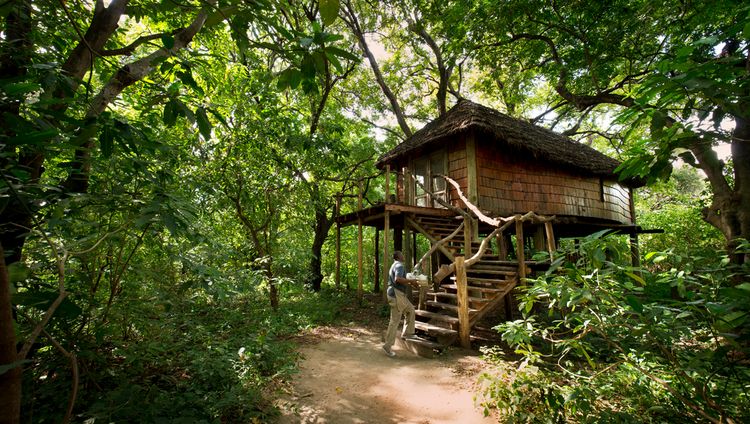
pixel 457 169
pixel 512 183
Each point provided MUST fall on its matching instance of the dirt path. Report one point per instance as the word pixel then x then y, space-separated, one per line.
pixel 346 378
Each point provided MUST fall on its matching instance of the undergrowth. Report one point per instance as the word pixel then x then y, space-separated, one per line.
pixel 197 359
pixel 603 342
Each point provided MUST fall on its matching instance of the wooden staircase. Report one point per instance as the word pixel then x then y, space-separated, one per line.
pixel 488 282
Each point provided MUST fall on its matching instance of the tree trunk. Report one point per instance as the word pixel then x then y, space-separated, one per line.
pixel 730 207
pixel 741 160
pixel 14 218
pixel 273 292
pixel 322 225
pixel 10 381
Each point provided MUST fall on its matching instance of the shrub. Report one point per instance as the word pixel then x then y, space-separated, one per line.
pixel 604 342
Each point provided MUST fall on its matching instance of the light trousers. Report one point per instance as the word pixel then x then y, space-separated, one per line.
pixel 400 306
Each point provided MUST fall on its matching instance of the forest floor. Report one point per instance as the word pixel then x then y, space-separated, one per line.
pixel 345 377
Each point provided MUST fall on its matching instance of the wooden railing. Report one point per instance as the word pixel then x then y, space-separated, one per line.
pixel 460 264
pixel 472 216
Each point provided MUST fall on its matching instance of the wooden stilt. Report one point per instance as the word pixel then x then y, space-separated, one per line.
pixel 415 253
pixel 550 239
pixel 635 253
pixel 408 249
pixel 468 232
pixel 338 243
pixel 386 252
pixel 463 303
pixel 359 246
pixel 376 285
pixel 520 256
pixel 502 241
pixel 386 231
pixel 539 245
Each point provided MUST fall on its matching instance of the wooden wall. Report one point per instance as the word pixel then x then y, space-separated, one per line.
pixel 457 169
pixel 510 184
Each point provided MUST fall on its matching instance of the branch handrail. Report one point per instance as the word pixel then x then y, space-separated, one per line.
pixel 437 245
pixel 500 223
pixel 507 222
pixel 442 202
pixel 482 217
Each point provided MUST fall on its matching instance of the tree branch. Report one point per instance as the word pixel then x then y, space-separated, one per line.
pixel 130 48
pixel 350 19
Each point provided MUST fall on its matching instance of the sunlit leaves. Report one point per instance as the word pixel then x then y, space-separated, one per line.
pixel 204 125
pixel 329 10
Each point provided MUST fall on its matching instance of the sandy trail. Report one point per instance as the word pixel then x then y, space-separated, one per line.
pixel 346 378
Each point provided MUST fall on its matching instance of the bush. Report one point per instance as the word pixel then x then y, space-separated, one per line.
pixel 604 342
pixel 202 359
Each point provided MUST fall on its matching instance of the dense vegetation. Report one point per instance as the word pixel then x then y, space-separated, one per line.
pixel 171 170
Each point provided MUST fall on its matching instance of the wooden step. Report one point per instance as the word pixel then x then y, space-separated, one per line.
pixel 438 221
pixel 486 282
pixel 454 296
pixel 479 289
pixel 436 316
pixel 490 271
pixel 434 330
pixel 447 306
pixel 485 264
pixel 498 263
pixel 440 225
pixel 420 347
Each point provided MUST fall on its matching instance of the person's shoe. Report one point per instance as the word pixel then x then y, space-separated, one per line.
pixel 411 337
pixel 389 352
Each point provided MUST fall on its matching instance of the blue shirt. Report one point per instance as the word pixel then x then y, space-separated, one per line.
pixel 397 270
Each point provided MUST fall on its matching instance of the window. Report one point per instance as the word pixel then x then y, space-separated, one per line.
pixel 439 185
pixel 425 172
pixel 421 173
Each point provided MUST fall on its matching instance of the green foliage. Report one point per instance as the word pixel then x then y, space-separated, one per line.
pixel 675 206
pixel 190 359
pixel 604 342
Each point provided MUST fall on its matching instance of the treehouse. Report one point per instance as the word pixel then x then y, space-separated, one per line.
pixel 487 191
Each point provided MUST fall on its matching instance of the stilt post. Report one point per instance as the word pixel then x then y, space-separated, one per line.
pixel 463 303
pixel 550 240
pixel 359 246
pixel 519 251
pixel 338 243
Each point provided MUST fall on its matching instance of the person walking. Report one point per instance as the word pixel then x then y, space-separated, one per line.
pixel 399 303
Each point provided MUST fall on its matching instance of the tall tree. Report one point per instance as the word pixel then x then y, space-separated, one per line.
pixel 66 70
pixel 679 69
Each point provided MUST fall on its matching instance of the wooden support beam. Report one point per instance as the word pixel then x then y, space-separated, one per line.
pixel 463 303
pixel 539 245
pixel 386 252
pixel 432 240
pixel 408 249
pixel 422 295
pixel 398 239
pixel 414 251
pixel 468 236
pixel 520 256
pixel 338 243
pixel 360 277
pixel 550 240
pixel 376 285
pixel 635 254
pixel 502 242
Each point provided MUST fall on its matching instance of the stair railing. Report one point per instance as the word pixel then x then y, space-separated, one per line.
pixel 459 264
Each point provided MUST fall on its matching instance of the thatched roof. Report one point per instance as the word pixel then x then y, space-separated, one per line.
pixel 540 143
